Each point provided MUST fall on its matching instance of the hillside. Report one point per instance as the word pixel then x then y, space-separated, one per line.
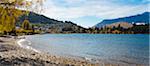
pixel 53 25
pixel 144 17
pixel 122 24
pixel 37 18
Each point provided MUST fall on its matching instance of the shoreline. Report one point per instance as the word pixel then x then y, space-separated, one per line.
pixel 17 55
pixel 12 54
pixel 26 46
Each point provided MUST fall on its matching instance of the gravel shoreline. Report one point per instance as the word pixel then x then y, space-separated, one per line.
pixel 11 54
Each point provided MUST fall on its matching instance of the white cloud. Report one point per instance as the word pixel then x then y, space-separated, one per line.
pixel 74 1
pixel 103 9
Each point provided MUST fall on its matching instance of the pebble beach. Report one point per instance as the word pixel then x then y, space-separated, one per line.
pixel 11 54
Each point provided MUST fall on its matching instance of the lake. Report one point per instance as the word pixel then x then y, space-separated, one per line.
pixel 119 48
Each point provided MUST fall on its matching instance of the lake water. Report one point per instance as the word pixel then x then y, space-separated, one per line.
pixel 128 48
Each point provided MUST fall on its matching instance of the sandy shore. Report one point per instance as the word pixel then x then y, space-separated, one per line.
pixel 11 54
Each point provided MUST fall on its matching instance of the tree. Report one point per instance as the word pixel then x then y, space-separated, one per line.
pixel 10 10
pixel 120 27
pixel 26 25
pixel 33 26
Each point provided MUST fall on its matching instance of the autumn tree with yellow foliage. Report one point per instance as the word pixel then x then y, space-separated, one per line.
pixel 10 10
pixel 26 25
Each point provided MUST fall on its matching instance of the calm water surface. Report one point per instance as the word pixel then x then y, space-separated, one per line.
pixel 127 48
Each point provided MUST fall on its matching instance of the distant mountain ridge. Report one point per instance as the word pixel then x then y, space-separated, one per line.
pixel 144 18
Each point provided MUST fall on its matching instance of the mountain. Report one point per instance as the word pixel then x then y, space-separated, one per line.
pixel 53 25
pixel 37 18
pixel 144 17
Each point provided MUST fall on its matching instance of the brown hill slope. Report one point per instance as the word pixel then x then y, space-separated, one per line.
pixel 122 24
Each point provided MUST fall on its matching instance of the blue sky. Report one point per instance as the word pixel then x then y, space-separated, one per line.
pixel 87 13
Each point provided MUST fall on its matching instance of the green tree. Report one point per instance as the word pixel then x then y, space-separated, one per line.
pixel 33 26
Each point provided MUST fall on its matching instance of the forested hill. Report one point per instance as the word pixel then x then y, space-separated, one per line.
pixel 37 18
pixel 55 26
